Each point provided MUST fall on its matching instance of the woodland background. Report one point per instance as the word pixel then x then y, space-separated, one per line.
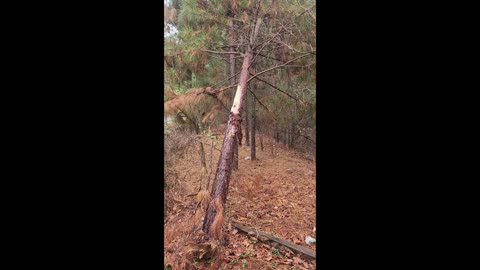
pixel 263 53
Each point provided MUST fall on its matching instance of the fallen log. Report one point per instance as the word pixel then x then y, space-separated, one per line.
pixel 310 253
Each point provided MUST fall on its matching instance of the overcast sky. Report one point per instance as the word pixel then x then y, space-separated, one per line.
pixel 173 30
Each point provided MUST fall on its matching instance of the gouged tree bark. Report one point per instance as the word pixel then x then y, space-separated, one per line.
pixel 232 134
pixel 213 222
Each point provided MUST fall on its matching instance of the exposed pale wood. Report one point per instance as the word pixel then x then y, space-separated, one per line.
pixel 233 135
pixel 310 253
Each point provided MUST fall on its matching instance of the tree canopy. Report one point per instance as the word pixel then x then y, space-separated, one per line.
pixel 197 55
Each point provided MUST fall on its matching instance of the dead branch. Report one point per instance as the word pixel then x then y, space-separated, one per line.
pixel 291 48
pixel 310 253
pixel 226 80
pixel 295 133
pixel 269 57
pixel 258 100
pixel 218 52
pixel 279 66
pixel 275 87
pixel 213 94
pixel 209 144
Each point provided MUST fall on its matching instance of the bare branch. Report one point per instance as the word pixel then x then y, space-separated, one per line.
pixel 254 35
pixel 233 45
pixel 208 144
pixel 263 46
pixel 258 100
pixel 217 52
pixel 275 87
pixel 279 66
pixel 269 57
pixel 226 80
pixel 298 134
pixel 291 48
pixel 256 27
pixel 213 94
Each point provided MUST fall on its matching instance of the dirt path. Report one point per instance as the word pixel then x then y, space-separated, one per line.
pixel 275 194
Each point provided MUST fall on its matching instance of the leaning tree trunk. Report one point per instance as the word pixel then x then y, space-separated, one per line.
pixel 213 222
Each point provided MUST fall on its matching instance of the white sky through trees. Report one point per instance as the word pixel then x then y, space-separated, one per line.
pixel 172 30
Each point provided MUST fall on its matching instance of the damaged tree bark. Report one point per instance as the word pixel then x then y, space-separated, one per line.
pixel 213 222
pixel 232 135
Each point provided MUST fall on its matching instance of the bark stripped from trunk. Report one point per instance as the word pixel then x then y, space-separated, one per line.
pixel 232 134
pixel 213 222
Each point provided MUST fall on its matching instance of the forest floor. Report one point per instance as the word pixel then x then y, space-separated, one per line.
pixel 274 193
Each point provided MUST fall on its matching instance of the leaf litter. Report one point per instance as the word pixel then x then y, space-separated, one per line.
pixel 274 194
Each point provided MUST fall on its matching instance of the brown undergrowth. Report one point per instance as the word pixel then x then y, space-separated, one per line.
pixel 274 194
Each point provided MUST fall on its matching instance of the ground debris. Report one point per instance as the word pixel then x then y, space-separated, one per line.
pixel 269 198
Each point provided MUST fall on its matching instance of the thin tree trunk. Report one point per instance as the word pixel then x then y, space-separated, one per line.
pixel 247 129
pixel 201 151
pixel 231 40
pixel 231 67
pixel 261 137
pixel 197 129
pixel 272 150
pixel 292 134
pixel 211 164
pixel 202 157
pixel 252 146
